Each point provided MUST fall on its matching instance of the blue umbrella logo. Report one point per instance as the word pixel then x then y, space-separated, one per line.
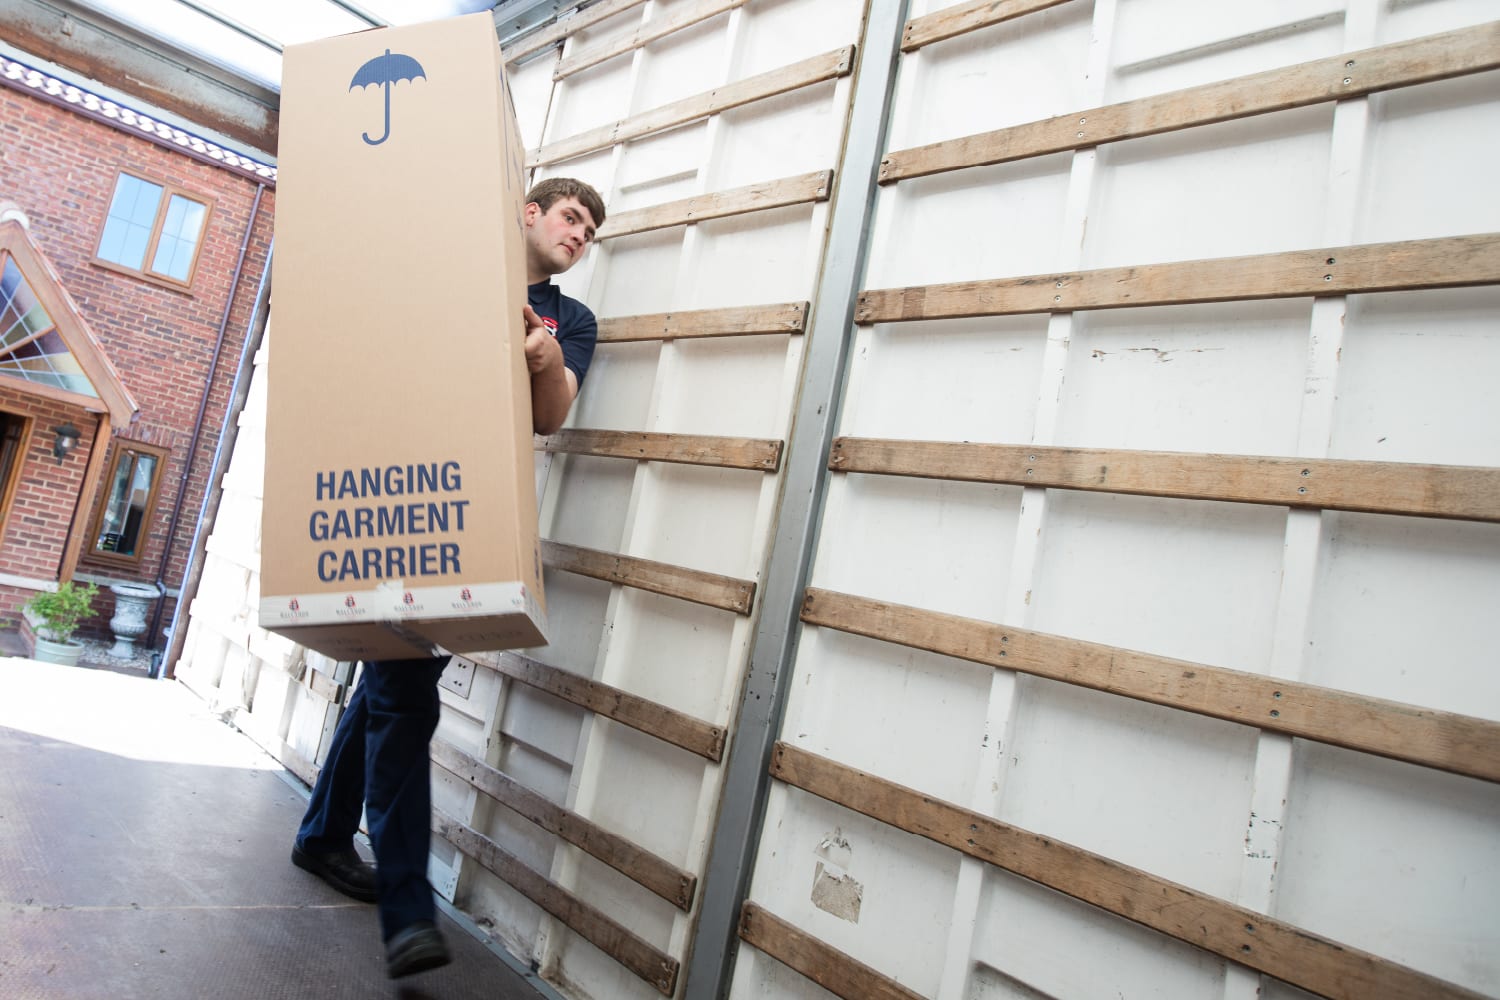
pixel 384 71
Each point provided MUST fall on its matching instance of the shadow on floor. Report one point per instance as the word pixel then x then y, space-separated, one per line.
pixel 144 853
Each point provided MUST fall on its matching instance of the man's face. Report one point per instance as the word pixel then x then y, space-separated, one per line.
pixel 557 238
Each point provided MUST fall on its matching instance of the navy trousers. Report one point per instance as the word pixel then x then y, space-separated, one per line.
pixel 379 761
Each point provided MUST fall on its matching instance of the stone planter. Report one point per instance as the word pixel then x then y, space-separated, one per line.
pixel 66 653
pixel 129 621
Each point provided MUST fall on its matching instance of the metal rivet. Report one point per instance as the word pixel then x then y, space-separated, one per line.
pixel 1307 472
pixel 1332 260
pixel 1327 277
pixel 1302 489
pixel 1347 81
pixel 1275 714
pixel 1275 694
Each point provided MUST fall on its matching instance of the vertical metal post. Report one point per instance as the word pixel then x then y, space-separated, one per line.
pixel 736 831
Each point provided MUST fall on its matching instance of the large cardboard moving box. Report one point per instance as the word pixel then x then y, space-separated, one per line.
pixel 399 503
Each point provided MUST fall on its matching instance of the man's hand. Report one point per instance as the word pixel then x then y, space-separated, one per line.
pixel 553 384
pixel 542 349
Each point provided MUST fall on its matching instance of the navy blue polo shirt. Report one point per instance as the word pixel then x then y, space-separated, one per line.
pixel 570 321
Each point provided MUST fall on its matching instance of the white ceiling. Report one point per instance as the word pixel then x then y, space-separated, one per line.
pixel 246 36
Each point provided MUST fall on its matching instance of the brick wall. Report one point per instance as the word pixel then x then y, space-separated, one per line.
pixel 60 168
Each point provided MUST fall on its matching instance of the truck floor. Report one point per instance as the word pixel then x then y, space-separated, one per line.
pixel 144 853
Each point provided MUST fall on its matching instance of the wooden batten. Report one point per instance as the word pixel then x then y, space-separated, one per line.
pixel 1354 74
pixel 736 321
pixel 966 17
pixel 758 197
pixel 668 881
pixel 1449 491
pixel 694 585
pixel 641 714
pixel 555 33
pixel 828 66
pixel 1446 262
pixel 643 36
pixel 608 935
pixel 1446 741
pixel 757 454
pixel 825 965
pixel 1242 936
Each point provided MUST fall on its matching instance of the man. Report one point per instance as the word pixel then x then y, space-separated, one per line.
pixel 379 756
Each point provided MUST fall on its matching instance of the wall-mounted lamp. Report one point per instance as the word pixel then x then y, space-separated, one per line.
pixel 67 440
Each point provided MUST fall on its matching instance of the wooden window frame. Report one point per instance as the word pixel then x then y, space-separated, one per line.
pixel 168 191
pixel 96 521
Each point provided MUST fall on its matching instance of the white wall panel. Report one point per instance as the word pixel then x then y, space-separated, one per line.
pixel 905 885
pixel 1243 187
pixel 953 543
pixel 1433 152
pixel 776 33
pixel 1015 72
pixel 1224 378
pixel 777 244
pixel 673 653
pixel 893 710
pixel 987 222
pixel 1417 377
pixel 1136 572
pixel 1167 45
pixel 1384 582
pixel 1051 946
pixel 1396 860
pixel 1107 774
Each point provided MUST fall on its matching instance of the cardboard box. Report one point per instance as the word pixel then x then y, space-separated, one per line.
pixel 400 510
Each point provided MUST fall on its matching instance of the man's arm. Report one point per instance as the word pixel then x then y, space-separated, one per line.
pixel 553 384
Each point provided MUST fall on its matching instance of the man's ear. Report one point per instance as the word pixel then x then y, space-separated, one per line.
pixel 531 212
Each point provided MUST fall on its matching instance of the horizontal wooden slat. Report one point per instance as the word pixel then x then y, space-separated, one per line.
pixel 825 965
pixel 758 454
pixel 1240 935
pixel 736 321
pixel 694 585
pixel 1446 262
pixel 966 17
pixel 615 940
pixel 635 863
pixel 1444 740
pixel 777 81
pixel 572 24
pixel 756 197
pixel 642 36
pixel 1450 491
pixel 1401 64
pixel 654 719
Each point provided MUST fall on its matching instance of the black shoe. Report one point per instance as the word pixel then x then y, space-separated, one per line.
pixel 345 870
pixel 415 949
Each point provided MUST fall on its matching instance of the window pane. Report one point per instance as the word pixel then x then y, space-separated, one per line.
pixel 132 213
pixel 20 313
pixel 123 521
pixel 179 238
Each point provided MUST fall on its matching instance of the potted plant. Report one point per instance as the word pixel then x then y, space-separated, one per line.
pixel 56 614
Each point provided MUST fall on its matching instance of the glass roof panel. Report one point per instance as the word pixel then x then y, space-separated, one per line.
pixel 245 36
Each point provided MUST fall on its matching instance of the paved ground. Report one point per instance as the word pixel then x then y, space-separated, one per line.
pixel 143 853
